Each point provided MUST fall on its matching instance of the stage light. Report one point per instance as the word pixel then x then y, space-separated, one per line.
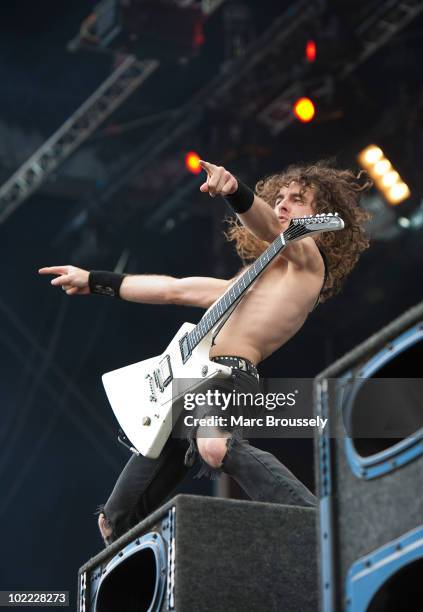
pixel 398 193
pixel 192 162
pixel 390 178
pixel 198 35
pixel 310 51
pixel 381 167
pixel 404 222
pixel 373 154
pixel 304 109
pixel 386 178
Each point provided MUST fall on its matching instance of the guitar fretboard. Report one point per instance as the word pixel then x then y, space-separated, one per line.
pixel 229 298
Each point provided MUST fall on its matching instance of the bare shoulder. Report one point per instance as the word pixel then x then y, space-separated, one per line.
pixel 313 257
pixel 304 256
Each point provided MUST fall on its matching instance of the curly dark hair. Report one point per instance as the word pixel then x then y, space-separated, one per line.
pixel 334 191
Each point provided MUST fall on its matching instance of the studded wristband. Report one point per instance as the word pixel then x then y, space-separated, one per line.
pixel 105 283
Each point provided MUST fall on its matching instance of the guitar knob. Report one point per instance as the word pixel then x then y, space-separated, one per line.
pixel 146 421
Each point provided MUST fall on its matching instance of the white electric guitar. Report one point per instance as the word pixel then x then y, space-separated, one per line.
pixel 142 394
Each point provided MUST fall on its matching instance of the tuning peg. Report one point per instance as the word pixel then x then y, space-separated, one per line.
pixel 336 214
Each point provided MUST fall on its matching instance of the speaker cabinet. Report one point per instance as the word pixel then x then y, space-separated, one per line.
pixel 369 461
pixel 210 554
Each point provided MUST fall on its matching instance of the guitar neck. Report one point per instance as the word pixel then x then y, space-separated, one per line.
pixel 228 299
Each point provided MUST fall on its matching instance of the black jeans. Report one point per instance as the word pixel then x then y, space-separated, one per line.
pixel 145 484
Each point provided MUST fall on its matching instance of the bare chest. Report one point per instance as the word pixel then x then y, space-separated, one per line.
pixel 270 313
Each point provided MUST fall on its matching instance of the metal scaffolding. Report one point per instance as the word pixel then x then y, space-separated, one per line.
pixel 389 18
pixel 107 98
pixel 371 34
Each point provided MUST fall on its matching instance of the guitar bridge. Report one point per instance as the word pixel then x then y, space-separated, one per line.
pixel 163 375
pixel 185 348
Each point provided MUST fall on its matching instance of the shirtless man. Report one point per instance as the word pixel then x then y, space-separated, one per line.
pixel 272 311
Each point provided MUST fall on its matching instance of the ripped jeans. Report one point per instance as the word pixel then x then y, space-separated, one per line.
pixel 145 484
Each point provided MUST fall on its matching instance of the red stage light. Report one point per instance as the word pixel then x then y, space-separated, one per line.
pixel 304 109
pixel 198 35
pixel 192 162
pixel 310 51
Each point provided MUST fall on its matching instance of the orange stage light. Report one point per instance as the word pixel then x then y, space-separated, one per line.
pixel 304 109
pixel 192 162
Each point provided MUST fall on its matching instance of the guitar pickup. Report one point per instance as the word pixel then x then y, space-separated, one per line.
pixel 150 388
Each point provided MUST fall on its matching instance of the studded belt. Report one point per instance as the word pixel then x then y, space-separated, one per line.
pixel 238 363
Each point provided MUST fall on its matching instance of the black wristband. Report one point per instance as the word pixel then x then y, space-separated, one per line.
pixel 105 283
pixel 242 200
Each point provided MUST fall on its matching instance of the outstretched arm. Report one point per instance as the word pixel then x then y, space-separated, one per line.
pixel 199 291
pixel 147 288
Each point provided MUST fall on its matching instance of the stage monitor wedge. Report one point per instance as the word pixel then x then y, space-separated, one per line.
pixel 369 472
pixel 209 554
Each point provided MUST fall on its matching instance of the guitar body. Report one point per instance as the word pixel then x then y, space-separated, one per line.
pixel 141 394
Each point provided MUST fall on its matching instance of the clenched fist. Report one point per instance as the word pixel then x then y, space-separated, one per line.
pixel 72 280
pixel 219 181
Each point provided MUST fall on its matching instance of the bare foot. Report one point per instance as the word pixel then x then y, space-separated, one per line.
pixel 106 530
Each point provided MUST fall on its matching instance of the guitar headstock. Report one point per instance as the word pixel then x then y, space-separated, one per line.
pixel 324 222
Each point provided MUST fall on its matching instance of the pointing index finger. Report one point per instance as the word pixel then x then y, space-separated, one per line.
pixel 206 166
pixel 53 270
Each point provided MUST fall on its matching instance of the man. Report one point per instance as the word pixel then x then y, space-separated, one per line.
pixel 271 312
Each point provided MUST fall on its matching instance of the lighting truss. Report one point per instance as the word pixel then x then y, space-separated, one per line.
pixel 127 77
pixel 372 33
pixel 387 20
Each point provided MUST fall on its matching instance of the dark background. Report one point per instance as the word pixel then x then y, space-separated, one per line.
pixel 59 457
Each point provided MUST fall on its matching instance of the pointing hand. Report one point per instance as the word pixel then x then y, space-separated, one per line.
pixel 219 181
pixel 71 279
